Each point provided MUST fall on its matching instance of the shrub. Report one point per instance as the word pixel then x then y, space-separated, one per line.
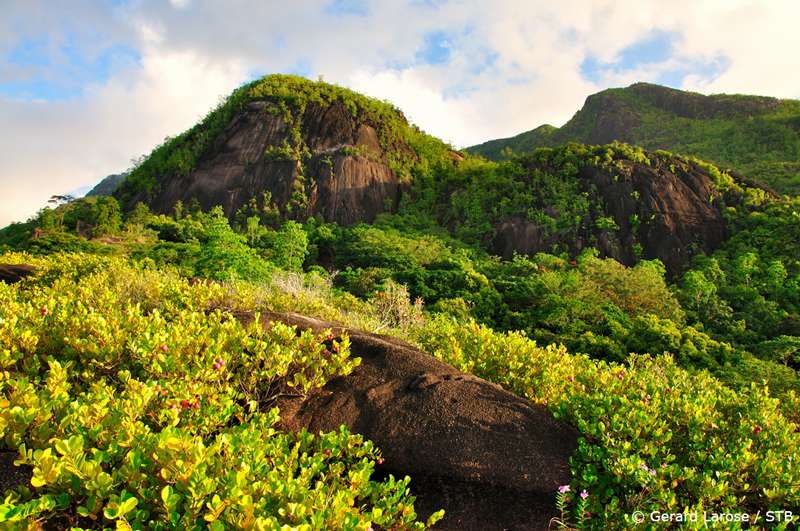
pixel 136 403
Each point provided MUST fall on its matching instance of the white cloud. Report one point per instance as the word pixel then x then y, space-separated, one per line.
pixel 55 147
pixel 514 64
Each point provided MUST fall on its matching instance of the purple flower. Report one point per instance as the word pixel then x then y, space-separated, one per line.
pixel 663 465
pixel 563 489
pixel 648 469
pixel 584 494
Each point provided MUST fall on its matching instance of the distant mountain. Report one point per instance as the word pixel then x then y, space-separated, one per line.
pixel 108 185
pixel 753 135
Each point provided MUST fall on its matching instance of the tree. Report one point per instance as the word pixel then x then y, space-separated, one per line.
pixel 225 254
pixel 290 248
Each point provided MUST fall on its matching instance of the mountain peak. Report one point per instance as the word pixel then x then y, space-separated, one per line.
pixel 758 136
pixel 312 147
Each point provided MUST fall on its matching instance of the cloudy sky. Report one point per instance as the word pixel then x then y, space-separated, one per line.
pixel 88 85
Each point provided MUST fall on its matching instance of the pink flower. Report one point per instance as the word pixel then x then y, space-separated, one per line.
pixel 544 403
pixel 757 429
pixel 584 494
pixel 219 363
pixel 563 489
pixel 380 460
pixel 164 348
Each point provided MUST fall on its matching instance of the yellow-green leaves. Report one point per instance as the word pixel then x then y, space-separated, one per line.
pixel 138 405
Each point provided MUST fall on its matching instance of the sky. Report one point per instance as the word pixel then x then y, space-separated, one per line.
pixel 87 86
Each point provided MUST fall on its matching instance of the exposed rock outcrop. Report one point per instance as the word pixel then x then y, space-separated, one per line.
pixel 671 208
pixel 492 460
pixel 108 185
pixel 489 458
pixel 345 177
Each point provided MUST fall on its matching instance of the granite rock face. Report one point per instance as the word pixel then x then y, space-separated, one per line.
pixel 346 177
pixel 669 208
pixel 11 273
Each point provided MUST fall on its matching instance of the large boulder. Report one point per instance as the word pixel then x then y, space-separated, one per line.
pixel 492 460
pixel 11 273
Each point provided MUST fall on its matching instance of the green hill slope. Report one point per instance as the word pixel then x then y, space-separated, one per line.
pixel 754 135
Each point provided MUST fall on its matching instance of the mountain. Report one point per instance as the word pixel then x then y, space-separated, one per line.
pixel 753 135
pixel 313 148
pixel 108 185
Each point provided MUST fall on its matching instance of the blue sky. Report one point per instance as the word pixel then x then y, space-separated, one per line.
pixel 88 85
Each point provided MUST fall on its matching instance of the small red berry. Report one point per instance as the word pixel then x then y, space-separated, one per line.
pixel 757 429
pixel 164 348
pixel 44 311
pixel 327 452
pixel 184 404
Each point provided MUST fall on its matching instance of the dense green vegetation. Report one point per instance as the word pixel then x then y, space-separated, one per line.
pixel 99 351
pixel 655 437
pixel 756 136
pixel 734 313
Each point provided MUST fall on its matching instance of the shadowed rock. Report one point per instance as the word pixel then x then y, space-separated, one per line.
pixel 492 460
pixel 11 273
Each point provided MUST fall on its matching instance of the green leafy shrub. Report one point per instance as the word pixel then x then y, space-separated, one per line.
pixel 135 403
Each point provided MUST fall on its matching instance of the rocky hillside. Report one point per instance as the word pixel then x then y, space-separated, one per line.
pixel 626 202
pixel 305 149
pixel 755 135
pixel 313 148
